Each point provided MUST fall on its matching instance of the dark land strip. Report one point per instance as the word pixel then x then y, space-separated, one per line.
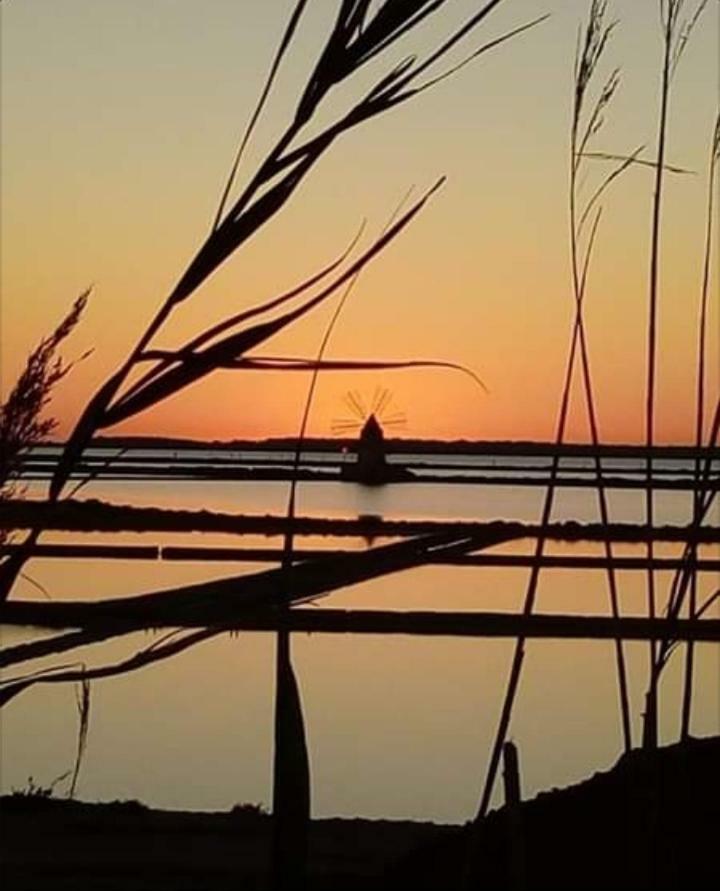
pixel 652 820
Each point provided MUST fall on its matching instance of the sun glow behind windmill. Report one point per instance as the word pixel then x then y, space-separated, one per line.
pixel 379 408
pixel 370 466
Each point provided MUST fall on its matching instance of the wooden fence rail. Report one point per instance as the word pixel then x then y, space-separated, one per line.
pixel 273 555
pixel 422 623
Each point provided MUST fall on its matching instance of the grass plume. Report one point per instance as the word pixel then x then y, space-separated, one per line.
pixel 23 422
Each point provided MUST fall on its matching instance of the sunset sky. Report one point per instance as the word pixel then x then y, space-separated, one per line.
pixel 119 123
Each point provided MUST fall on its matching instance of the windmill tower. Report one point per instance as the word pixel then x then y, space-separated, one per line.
pixel 370 467
pixel 371 463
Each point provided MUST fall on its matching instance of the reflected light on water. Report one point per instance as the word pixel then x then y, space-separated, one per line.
pixel 397 726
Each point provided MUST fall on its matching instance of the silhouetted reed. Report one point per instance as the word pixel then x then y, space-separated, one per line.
pixel 676 34
pixel 23 424
pixel 700 410
pixel 584 127
pixel 683 590
pixel 83 707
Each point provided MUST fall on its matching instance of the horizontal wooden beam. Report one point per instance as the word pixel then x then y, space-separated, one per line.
pixel 446 624
pixel 273 555
pixel 477 624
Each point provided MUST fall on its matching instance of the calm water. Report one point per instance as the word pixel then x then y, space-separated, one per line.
pixel 397 727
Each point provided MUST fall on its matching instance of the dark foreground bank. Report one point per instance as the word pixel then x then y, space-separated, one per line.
pixel 650 822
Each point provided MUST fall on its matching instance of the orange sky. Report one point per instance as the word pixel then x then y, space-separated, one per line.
pixel 118 123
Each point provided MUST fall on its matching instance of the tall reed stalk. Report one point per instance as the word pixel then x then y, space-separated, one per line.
pixel 676 33
pixel 292 793
pixel 595 41
pixel 700 413
pixel 650 718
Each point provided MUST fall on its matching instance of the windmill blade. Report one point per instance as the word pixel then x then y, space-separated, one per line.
pixel 357 408
pixel 385 400
pixel 361 402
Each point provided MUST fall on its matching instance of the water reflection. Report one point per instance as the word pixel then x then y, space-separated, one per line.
pixel 398 727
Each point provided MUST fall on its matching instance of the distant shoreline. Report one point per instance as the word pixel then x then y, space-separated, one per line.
pixel 402 445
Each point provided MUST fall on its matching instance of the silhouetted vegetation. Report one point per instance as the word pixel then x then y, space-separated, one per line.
pixel 23 422
pixel 362 31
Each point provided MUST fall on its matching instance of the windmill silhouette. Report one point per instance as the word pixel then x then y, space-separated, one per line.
pixel 369 418
pixel 380 408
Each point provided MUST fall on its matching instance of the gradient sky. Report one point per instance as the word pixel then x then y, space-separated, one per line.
pixel 119 121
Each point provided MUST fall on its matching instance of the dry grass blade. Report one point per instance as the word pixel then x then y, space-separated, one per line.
pixel 445 48
pixel 691 552
pixel 389 24
pixel 275 302
pixel 94 474
pixel 353 34
pixel 64 675
pixel 282 49
pixel 685 30
pixel 288 538
pixel 590 51
pixel 597 35
pixel 673 46
pixel 486 47
pixel 268 363
pixel 237 227
pixel 624 164
pixel 13 655
pixel 83 706
pixel 10 691
pixel 166 359
pixel 712 599
pixel 641 162
pixel 234 346
pixel 90 421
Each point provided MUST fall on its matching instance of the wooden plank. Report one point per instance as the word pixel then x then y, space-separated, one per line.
pixel 89 551
pixel 273 555
pixel 482 624
pixel 420 623
pixel 513 819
